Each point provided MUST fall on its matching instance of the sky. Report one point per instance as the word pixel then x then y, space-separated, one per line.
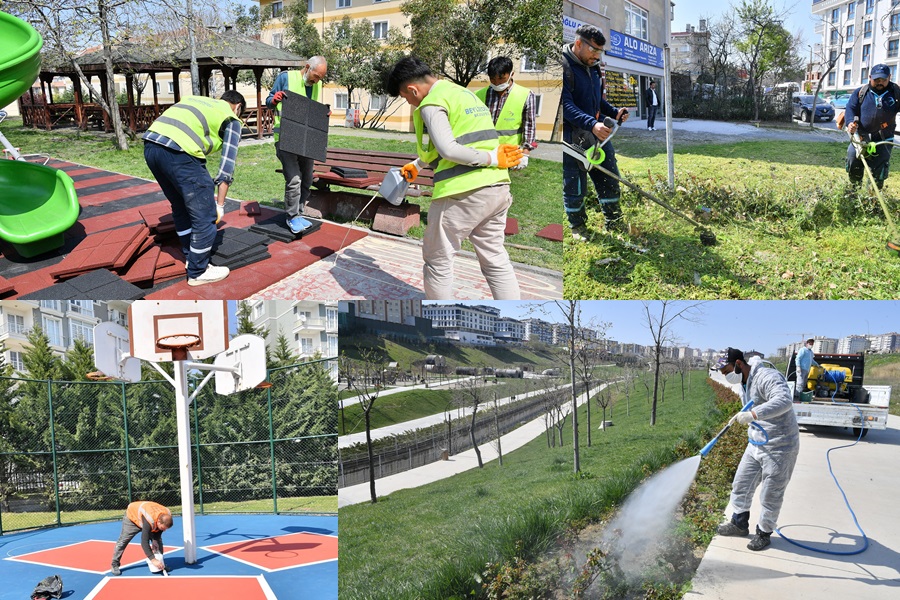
pixel 799 15
pixel 762 325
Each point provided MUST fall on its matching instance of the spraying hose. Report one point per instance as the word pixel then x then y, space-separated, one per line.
pixel 846 502
pixel 893 243
pixel 705 450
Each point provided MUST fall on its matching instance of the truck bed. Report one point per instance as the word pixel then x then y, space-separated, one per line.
pixel 841 414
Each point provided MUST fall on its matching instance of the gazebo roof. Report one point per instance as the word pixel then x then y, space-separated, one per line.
pixel 237 51
pixel 128 57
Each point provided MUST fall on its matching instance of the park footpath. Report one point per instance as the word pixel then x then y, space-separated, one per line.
pixel 814 513
pixel 351 439
pixel 457 463
pixel 385 266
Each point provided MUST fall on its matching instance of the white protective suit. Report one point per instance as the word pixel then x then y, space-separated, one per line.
pixel 773 462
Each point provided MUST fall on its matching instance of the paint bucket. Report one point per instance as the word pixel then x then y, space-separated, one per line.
pixel 152 568
pixel 806 396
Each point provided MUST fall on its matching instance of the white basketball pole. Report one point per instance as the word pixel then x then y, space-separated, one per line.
pixel 182 405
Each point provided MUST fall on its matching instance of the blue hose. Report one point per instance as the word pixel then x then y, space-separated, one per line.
pixel 847 502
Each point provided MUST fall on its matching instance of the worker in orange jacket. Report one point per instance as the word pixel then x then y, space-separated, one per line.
pixel 150 520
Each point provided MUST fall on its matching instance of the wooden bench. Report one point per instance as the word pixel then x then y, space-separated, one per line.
pixel 376 164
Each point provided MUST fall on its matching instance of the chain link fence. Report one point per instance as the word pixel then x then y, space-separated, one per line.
pixel 75 452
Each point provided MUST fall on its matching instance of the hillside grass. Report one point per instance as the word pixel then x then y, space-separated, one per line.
pixel 407 353
pixel 256 179
pixel 787 224
pixel 430 542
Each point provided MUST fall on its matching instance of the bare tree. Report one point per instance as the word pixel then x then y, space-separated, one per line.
pixel 588 354
pixel 364 376
pixel 720 46
pixel 497 432
pixel 660 327
pixel 836 50
pixel 604 399
pixel 558 399
pixel 468 393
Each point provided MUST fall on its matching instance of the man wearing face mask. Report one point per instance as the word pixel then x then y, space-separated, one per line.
pixel 512 108
pixel 768 462
pixel 175 147
pixel 872 112
pixel 584 109
pixel 471 180
pixel 804 362
pixel 297 170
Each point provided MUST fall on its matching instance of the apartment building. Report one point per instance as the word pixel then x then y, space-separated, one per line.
pixel 859 35
pixel 63 321
pixel 384 15
pixel 690 50
pixel 311 327
pixel 636 34
pixel 538 330
pixel 853 344
pixel 403 312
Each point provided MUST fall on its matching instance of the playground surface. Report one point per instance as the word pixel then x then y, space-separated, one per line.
pixel 239 557
pixel 336 261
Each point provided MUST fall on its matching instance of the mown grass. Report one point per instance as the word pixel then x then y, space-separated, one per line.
pixel 311 505
pixel 536 190
pixel 787 225
pixel 429 542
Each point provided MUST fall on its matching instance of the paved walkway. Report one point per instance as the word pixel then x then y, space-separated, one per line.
pixel 345 441
pixel 458 463
pixel 814 513
pixel 403 388
pixel 381 266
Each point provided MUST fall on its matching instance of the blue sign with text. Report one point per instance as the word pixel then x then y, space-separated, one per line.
pixel 631 48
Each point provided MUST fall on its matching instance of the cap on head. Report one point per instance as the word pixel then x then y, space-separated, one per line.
pixel 731 355
pixel 811 341
pixel 592 33
pixel 880 71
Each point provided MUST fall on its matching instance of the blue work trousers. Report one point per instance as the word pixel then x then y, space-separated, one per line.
pixel 879 162
pixel 191 192
pixel 575 187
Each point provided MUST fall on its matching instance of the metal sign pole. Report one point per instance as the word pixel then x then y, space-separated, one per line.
pixel 182 404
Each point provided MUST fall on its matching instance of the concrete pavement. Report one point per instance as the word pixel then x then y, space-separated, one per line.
pixel 814 513
pixel 458 463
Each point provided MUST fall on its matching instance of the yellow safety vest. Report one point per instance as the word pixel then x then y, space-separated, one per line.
pixel 296 85
pixel 509 121
pixel 194 124
pixel 472 126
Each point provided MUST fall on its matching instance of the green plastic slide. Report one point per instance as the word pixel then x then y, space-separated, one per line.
pixel 37 203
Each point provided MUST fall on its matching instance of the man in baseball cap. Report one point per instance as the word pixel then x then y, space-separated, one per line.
pixel 872 113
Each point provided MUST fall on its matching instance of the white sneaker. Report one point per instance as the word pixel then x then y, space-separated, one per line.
pixel 211 275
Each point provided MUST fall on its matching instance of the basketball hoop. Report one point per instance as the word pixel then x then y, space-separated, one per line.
pixel 98 376
pixel 178 343
pixel 264 385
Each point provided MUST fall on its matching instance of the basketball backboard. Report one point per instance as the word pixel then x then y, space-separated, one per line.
pixel 111 353
pixel 247 353
pixel 150 320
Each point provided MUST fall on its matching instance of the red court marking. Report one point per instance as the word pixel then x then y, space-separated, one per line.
pixel 281 551
pixel 93 556
pixel 182 588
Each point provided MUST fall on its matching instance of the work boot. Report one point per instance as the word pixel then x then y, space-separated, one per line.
pixel 730 529
pixel 580 233
pixel 115 570
pixel 212 274
pixel 760 540
pixel 615 221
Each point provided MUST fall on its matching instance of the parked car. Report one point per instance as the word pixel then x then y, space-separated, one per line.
pixel 839 102
pixel 801 108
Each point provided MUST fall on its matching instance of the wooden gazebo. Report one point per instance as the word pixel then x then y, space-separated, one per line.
pixel 228 52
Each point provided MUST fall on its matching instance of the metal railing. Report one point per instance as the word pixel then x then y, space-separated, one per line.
pixel 76 451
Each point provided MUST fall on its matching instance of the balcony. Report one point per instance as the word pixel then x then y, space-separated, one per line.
pixel 310 323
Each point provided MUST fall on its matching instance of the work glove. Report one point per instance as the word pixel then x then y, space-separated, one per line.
pixel 220 212
pixel 506 156
pixel 278 97
pixel 409 171
pixel 746 417
pixel 523 162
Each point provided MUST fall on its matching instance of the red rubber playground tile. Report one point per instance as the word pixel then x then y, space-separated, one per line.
pixel 281 551
pixel 183 588
pixel 92 556
pixel 89 183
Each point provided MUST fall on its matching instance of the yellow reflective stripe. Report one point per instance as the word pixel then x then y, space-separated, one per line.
pixel 454 171
pixel 477 136
pixel 183 128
